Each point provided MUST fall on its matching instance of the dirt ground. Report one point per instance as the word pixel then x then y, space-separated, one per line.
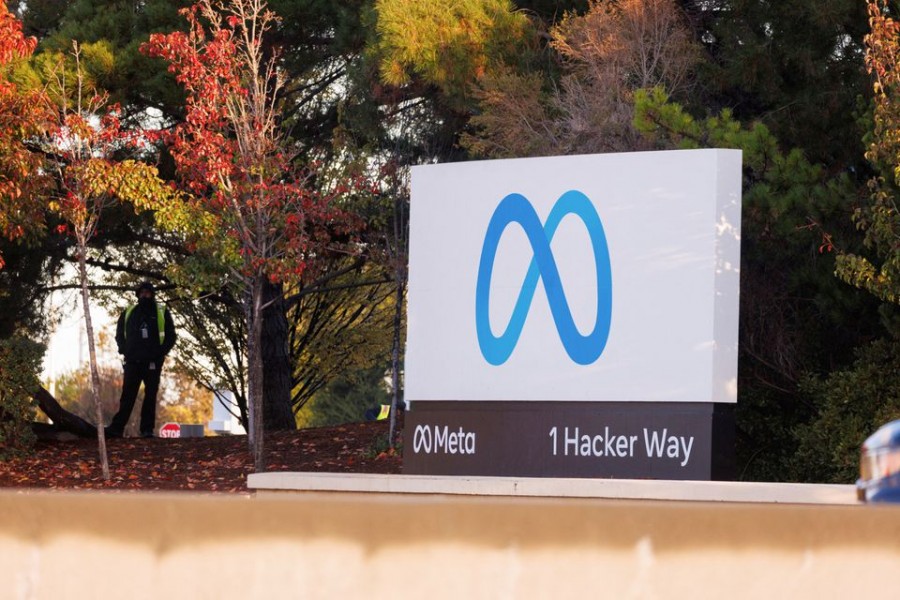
pixel 210 464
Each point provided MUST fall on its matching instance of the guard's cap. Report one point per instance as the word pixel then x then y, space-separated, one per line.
pixel 145 285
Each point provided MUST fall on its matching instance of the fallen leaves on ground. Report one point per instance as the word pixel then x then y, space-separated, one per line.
pixel 210 464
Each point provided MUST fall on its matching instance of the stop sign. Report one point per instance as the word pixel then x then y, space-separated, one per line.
pixel 170 430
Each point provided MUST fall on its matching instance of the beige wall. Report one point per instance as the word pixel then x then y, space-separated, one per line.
pixel 321 545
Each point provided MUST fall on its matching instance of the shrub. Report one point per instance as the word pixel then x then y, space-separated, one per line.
pixel 20 362
pixel 853 403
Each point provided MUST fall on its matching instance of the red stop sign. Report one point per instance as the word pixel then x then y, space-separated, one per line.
pixel 170 430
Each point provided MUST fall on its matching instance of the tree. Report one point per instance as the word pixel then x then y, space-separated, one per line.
pixel 450 45
pixel 386 211
pixel 343 325
pixel 604 56
pixel 133 80
pixel 234 160
pixel 549 11
pixel 881 219
pixel 23 289
pixel 396 250
pixel 854 402
pixel 21 117
pixel 321 42
pixel 795 66
pixel 80 156
pixel 421 69
pixel 325 102
pixel 857 399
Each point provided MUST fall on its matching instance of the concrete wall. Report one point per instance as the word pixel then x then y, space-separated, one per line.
pixel 555 487
pixel 376 545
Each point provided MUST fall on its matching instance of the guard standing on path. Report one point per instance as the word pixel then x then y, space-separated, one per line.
pixel 145 334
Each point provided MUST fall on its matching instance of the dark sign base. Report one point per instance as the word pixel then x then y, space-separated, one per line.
pixel 625 440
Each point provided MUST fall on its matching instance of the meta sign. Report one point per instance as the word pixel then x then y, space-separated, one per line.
pixel 574 316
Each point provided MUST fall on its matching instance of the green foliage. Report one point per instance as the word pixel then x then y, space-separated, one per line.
pixel 551 10
pixel 858 400
pixel 96 65
pixel 877 269
pixel 342 329
pixel 39 17
pixel 132 79
pixel 20 362
pixel 209 255
pixel 22 289
pixel 861 271
pixel 854 402
pixel 450 45
pixel 347 398
pixel 796 66
pixel 381 446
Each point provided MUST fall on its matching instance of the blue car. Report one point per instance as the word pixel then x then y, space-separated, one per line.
pixel 879 466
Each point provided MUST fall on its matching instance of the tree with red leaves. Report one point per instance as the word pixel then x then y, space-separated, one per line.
pixel 21 117
pixel 236 164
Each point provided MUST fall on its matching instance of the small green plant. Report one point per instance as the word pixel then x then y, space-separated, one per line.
pixel 20 362
pixel 381 447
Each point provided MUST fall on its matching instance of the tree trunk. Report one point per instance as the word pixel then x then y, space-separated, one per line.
pixel 401 275
pixel 92 354
pixel 255 376
pixel 62 419
pixel 395 359
pixel 277 412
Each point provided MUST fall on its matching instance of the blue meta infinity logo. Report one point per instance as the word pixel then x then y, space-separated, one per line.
pixel 515 208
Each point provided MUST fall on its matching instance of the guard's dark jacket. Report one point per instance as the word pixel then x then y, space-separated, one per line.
pixel 137 347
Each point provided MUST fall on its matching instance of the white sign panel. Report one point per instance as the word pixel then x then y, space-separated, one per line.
pixel 581 278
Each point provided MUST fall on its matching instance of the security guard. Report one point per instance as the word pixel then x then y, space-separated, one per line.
pixel 145 334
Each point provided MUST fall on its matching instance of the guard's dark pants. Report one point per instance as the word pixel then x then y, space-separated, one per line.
pixel 135 373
